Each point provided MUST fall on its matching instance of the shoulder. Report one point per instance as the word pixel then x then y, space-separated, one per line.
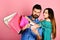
pixel 29 16
pixel 42 20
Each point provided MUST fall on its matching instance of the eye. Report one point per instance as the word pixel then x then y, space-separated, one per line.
pixel 34 11
pixel 38 12
pixel 45 12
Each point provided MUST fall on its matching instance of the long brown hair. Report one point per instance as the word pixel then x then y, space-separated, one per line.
pixel 51 17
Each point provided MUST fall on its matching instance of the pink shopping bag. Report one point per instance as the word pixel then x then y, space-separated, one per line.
pixel 23 21
pixel 17 23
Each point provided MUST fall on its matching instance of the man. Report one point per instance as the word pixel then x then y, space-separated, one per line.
pixel 32 34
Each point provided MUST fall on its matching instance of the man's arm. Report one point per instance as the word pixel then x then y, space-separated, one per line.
pixel 37 33
pixel 26 26
pixel 31 22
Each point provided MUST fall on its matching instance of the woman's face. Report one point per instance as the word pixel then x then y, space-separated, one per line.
pixel 45 14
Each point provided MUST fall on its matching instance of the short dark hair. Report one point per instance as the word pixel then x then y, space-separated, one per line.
pixel 37 6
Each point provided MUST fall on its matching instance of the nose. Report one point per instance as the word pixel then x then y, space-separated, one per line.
pixel 35 13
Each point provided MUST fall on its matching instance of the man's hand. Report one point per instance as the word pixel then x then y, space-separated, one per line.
pixel 27 26
pixel 35 31
pixel 35 26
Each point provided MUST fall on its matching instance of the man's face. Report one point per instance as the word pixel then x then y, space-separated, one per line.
pixel 36 13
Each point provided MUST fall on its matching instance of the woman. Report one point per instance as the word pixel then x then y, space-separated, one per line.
pixel 49 24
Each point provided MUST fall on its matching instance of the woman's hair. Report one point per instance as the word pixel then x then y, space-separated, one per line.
pixel 51 17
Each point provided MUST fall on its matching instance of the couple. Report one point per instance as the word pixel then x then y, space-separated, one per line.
pixel 40 30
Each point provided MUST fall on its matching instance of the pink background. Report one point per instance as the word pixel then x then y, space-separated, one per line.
pixel 24 7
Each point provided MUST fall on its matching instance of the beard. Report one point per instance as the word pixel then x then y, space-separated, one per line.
pixel 35 16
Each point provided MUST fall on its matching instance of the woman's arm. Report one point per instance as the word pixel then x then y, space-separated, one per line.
pixel 31 22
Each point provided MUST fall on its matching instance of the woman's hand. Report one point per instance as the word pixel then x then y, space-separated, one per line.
pixel 52 36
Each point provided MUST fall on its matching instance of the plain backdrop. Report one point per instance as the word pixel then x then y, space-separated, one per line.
pixel 24 7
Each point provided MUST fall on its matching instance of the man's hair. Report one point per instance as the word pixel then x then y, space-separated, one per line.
pixel 37 6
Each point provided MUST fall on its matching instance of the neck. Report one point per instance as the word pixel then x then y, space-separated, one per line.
pixel 47 19
pixel 33 18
